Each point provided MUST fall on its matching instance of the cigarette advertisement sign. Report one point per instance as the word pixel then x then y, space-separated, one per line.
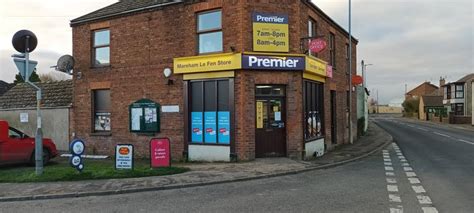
pixel 259 114
pixel 160 152
pixel 210 129
pixel 196 127
pixel 124 156
pixel 270 32
pixel 223 124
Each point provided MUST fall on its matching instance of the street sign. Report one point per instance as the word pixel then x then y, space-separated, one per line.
pixel 160 155
pixel 21 64
pixel 124 156
pixel 317 45
pixel 77 148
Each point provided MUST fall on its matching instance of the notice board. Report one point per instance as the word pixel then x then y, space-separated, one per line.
pixel 144 116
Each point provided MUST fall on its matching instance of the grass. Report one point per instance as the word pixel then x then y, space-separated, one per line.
pixel 60 170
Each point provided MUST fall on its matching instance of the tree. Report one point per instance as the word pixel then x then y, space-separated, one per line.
pixel 33 78
pixel 411 106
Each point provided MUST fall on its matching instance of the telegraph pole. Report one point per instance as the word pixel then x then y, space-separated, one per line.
pixel 350 74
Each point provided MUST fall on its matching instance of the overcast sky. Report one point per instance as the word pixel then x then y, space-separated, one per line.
pixel 407 41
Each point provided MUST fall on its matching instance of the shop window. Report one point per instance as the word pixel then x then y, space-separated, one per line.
pixel 459 91
pixel 102 107
pixel 332 50
pixel 101 47
pixel 209 29
pixel 210 112
pixel 313 110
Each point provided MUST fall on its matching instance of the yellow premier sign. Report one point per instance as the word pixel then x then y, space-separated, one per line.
pixel 208 63
pixel 315 66
pixel 270 32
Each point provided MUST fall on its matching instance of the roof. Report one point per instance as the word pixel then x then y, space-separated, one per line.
pixel 130 6
pixel 467 78
pixel 433 100
pixel 22 95
pixel 425 83
pixel 4 87
pixel 122 7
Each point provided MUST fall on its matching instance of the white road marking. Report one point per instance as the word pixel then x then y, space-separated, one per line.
pixel 389 168
pixel 387 163
pixel 441 134
pixel 418 189
pixel 399 154
pixel 407 169
pixel 403 160
pixel 396 210
pixel 389 174
pixel 391 180
pixel 405 164
pixel 414 180
pixel 410 174
pixel 422 129
pixel 423 199
pixel 465 141
pixel 401 157
pixel 392 188
pixel 394 198
pixel 387 159
pixel 429 210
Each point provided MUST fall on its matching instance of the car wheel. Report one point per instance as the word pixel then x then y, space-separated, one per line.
pixel 46 157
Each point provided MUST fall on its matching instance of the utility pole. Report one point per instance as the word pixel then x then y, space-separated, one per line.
pixel 350 73
pixel 378 101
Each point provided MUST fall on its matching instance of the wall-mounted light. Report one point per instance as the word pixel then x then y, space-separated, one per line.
pixel 167 73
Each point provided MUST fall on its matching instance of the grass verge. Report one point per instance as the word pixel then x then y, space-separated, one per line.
pixel 60 170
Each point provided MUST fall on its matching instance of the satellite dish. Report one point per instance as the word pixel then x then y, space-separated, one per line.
pixel 65 64
pixel 20 39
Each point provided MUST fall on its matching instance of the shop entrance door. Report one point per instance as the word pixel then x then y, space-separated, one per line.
pixel 270 132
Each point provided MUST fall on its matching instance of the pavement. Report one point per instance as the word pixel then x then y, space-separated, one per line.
pixel 201 174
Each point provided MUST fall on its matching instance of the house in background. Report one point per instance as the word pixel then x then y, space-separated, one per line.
pixel 457 100
pixel 431 107
pixel 4 87
pixel 425 88
pixel 18 107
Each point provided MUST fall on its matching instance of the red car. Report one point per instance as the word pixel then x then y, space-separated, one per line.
pixel 17 147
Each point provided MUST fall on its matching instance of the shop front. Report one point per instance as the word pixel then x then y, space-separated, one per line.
pixel 250 105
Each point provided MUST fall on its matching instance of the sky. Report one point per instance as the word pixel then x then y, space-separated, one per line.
pixel 407 41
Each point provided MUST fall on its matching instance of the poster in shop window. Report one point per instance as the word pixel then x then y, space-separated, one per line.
pixel 136 114
pixel 210 127
pixel 224 127
pixel 196 127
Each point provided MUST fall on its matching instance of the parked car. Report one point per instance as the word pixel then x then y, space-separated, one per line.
pixel 17 147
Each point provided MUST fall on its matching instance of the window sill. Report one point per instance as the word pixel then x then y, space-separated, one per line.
pixel 101 134
pixel 314 139
pixel 101 67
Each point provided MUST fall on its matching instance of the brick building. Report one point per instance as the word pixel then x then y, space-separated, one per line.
pixel 242 83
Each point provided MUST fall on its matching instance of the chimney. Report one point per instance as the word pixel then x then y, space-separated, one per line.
pixel 442 82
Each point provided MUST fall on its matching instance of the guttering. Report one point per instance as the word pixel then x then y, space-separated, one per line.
pixel 125 12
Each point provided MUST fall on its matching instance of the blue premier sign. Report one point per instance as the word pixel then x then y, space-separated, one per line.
pixel 263 62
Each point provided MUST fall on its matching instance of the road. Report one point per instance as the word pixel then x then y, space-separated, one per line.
pixel 443 158
pixel 421 172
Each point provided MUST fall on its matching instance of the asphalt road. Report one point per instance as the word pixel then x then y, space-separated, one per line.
pixel 443 157
pixel 425 172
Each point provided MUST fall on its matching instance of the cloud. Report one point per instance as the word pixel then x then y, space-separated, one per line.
pixel 409 42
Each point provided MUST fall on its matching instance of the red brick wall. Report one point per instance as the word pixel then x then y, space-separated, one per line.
pixel 143 44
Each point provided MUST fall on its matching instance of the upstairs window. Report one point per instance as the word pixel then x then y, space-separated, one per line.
pixel 101 47
pixel 459 91
pixel 332 50
pixel 312 32
pixel 448 92
pixel 209 29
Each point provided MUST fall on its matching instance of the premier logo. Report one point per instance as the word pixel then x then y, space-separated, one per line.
pixel 272 62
